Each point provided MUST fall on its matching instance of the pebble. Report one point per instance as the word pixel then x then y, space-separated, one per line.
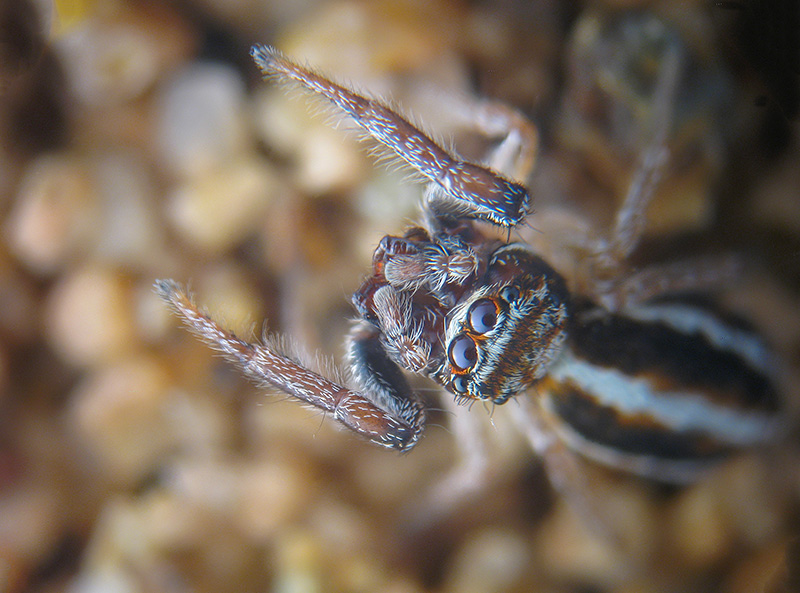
pixel 698 530
pixel 219 209
pixel 491 560
pixel 114 52
pixel 326 159
pixel 133 458
pixel 297 564
pixel 95 207
pixel 200 119
pixel 119 414
pixel 30 523
pixel 272 494
pixel 153 320
pixel 129 233
pixel 89 317
pixel 55 214
pixel 571 551
pixel 231 294
pixel 19 310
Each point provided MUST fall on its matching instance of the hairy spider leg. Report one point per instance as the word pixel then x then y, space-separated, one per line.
pixel 609 280
pixel 398 426
pixel 478 191
pixel 471 470
pixel 631 218
pixel 565 470
pixel 515 155
pixel 697 274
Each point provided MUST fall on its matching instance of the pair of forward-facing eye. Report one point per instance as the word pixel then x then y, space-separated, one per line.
pixel 481 318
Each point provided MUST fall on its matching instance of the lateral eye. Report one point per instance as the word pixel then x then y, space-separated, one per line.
pixel 510 294
pixel 462 353
pixel 482 316
pixel 459 384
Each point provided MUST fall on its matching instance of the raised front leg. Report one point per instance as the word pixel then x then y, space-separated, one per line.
pixel 386 412
pixel 474 190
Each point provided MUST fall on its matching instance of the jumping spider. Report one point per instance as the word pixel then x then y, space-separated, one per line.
pixel 656 386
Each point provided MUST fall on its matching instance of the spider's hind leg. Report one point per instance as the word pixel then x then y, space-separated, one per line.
pixel 515 155
pixel 631 218
pixel 465 479
pixel 569 475
pixel 612 280
pixel 697 274
pixel 470 472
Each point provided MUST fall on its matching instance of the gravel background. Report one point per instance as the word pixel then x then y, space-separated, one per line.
pixel 137 142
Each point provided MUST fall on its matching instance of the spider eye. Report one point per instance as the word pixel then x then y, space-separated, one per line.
pixel 482 316
pixel 459 384
pixel 510 294
pixel 462 353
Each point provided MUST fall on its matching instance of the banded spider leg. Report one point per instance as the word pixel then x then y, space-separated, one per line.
pixel 396 425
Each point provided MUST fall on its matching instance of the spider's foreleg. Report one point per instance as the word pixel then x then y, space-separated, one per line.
pixel 397 427
pixel 482 193
pixel 380 379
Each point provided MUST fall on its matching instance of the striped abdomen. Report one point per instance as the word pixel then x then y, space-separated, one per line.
pixel 662 389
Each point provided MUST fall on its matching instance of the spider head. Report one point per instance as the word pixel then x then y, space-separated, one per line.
pixel 501 337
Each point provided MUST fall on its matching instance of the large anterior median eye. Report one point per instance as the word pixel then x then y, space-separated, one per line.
pixel 463 353
pixel 482 316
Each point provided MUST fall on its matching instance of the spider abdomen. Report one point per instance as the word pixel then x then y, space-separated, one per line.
pixel 661 390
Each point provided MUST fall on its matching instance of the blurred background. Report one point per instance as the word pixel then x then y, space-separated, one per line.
pixel 137 142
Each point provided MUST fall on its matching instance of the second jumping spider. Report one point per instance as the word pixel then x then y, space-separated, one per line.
pixel 656 386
